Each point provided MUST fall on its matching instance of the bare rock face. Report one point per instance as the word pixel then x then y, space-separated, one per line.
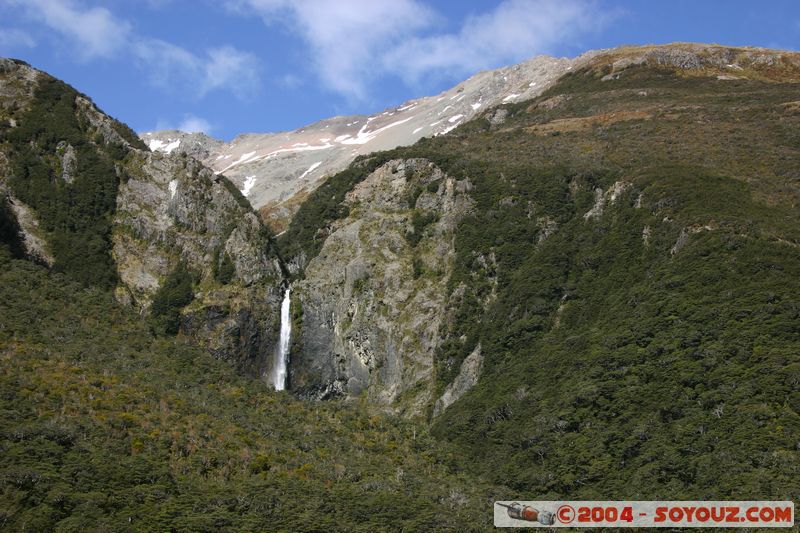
pixel 172 209
pixel 373 300
pixel 69 161
pixel 33 239
pixel 467 377
pixel 726 63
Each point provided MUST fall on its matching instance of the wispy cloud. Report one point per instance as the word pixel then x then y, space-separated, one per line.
pixel 345 37
pixel 352 43
pixel 189 124
pixel 290 81
pixel 11 38
pixel 175 69
pixel 193 124
pixel 515 30
pixel 231 69
pixel 95 31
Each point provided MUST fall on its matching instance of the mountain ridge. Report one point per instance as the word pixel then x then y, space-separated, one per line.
pixel 273 168
pixel 278 170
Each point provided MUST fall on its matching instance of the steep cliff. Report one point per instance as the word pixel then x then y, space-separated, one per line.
pixel 89 199
pixel 373 300
pixel 172 210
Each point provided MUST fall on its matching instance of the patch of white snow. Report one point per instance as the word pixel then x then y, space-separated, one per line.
pixel 310 169
pixel 363 137
pixel 249 181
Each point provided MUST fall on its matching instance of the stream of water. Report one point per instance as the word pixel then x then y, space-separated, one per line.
pixel 282 359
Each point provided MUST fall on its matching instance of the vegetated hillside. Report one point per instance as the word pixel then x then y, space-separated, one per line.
pixel 171 238
pixel 631 271
pixel 64 167
pixel 104 427
pixel 108 422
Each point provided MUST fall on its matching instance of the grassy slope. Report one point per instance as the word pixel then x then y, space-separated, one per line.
pixel 103 427
pixel 670 376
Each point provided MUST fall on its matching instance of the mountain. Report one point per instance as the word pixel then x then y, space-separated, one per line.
pixel 594 295
pixel 275 171
pixel 94 203
pixel 139 309
pixel 590 293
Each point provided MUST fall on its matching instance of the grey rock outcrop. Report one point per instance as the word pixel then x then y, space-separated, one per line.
pixel 374 298
pixel 33 239
pixel 69 161
pixel 172 209
pixel 467 378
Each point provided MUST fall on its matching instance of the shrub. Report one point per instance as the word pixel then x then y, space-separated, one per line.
pixel 175 294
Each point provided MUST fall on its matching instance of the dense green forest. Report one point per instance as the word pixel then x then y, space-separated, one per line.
pixel 74 206
pixel 647 352
pixel 104 427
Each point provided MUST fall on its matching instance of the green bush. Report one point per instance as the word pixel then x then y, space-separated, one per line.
pixel 77 216
pixel 174 294
pixel 224 269
pixel 105 428
pixel 10 230
pixel 419 221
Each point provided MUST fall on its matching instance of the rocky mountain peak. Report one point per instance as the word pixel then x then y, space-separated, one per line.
pixel 276 171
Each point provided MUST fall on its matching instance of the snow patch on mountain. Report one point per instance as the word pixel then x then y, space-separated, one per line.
pixel 249 181
pixel 167 146
pixel 311 169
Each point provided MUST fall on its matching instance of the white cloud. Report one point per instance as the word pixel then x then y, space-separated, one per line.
pixel 176 69
pixel 164 63
pixel 193 124
pixel 353 42
pixel 14 38
pixel 515 30
pixel 231 69
pixel 345 36
pixel 96 32
pixel 189 124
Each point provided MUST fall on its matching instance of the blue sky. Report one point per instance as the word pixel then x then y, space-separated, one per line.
pixel 236 66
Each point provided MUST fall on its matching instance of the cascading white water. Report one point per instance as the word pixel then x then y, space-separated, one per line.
pixel 282 359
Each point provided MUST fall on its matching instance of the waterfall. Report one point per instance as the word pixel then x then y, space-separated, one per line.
pixel 282 359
